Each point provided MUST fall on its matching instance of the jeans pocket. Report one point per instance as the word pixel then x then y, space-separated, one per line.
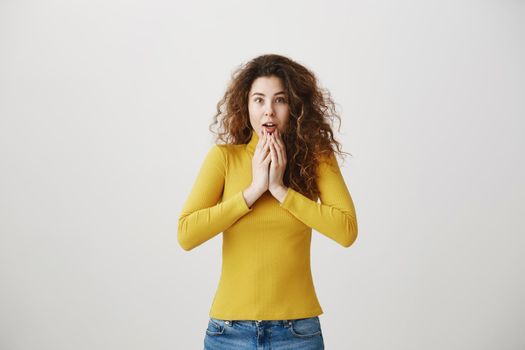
pixel 215 327
pixel 305 327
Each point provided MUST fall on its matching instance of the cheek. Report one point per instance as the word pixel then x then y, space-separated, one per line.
pixel 254 119
pixel 253 110
pixel 252 113
pixel 284 114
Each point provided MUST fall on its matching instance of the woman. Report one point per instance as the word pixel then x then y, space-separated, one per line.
pixel 260 189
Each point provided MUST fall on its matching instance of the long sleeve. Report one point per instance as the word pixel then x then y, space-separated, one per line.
pixel 204 214
pixel 335 216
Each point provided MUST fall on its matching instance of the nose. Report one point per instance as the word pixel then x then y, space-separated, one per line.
pixel 268 110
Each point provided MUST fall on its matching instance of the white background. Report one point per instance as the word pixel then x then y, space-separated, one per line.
pixel 104 114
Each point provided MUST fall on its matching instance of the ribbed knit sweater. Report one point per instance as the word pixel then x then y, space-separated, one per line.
pixel 266 271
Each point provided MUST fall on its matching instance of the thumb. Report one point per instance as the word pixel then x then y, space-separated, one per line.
pixel 267 159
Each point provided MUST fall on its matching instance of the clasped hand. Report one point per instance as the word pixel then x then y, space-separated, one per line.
pixel 269 163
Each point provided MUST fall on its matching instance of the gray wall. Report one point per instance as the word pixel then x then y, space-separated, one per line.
pixel 104 114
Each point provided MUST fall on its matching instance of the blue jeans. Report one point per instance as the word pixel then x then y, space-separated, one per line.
pixel 302 333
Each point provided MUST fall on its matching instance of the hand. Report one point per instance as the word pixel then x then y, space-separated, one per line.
pixel 277 164
pixel 260 163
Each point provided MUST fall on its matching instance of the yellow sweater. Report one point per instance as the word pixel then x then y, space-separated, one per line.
pixel 266 248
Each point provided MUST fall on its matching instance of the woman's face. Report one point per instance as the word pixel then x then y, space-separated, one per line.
pixel 268 103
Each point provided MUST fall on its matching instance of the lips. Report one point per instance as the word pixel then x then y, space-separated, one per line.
pixel 269 127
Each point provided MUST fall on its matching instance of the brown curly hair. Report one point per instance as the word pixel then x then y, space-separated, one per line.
pixel 309 138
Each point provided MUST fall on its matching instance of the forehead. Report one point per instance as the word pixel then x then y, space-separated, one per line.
pixel 267 84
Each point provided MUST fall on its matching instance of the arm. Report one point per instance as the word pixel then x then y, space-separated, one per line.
pixel 202 216
pixel 335 216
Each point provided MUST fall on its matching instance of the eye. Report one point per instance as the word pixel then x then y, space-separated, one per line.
pixel 257 99
pixel 281 100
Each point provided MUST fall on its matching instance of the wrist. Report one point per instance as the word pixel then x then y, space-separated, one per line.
pixel 279 192
pixel 257 190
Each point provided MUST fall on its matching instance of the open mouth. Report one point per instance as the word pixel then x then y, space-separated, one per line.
pixel 269 127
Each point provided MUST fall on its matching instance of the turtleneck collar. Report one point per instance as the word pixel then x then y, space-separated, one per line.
pixel 250 146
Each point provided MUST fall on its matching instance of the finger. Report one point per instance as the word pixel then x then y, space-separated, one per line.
pixel 265 137
pixel 275 160
pixel 282 148
pixel 266 143
pixel 276 145
pixel 279 140
pixel 260 143
pixel 270 139
pixel 267 159
pixel 277 150
pixel 263 140
pixel 266 150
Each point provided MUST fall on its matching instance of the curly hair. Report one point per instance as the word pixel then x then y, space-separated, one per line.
pixel 309 138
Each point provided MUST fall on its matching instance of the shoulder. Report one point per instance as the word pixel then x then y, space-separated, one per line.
pixel 223 152
pixel 229 149
pixel 328 162
pixel 215 153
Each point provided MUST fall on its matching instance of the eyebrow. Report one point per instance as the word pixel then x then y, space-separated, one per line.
pixel 277 93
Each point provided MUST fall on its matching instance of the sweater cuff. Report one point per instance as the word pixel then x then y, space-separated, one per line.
pixel 240 203
pixel 288 198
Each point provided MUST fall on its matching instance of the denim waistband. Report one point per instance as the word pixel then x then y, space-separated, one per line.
pixel 254 322
pixel 284 323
